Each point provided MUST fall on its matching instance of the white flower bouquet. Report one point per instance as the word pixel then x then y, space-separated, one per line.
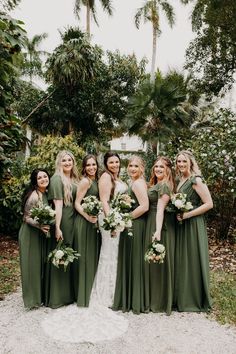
pixel 91 205
pixel 122 202
pixel 62 255
pixel 117 221
pixel 43 214
pixel 155 253
pixel 180 203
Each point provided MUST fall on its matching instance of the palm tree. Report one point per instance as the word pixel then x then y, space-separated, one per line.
pixel 91 10
pixel 32 66
pixel 150 11
pixel 160 108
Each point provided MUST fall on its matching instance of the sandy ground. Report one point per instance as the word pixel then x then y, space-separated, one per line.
pixel 190 333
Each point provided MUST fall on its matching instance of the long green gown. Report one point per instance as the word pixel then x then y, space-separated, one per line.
pixel 159 278
pixel 32 242
pixel 129 292
pixel 59 284
pixel 191 259
pixel 87 242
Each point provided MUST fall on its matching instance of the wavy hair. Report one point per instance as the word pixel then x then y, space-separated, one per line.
pixel 67 183
pixel 194 169
pixel 84 164
pixel 168 173
pixel 141 164
pixel 107 155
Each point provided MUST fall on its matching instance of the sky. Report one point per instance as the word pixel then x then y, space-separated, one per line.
pixel 116 32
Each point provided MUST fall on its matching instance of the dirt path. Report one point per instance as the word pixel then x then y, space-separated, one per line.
pixel 184 333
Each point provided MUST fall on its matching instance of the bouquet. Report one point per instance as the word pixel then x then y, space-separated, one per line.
pixel 116 221
pixel 43 214
pixel 91 205
pixel 180 203
pixel 122 202
pixel 62 255
pixel 156 253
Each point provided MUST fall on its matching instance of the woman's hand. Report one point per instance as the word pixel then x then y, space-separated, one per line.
pixel 45 228
pixel 59 235
pixel 156 236
pixel 92 219
pixel 182 216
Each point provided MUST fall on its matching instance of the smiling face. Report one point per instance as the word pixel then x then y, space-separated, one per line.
pixel 135 169
pixel 42 181
pixel 67 164
pixel 159 169
pixel 183 165
pixel 113 165
pixel 91 168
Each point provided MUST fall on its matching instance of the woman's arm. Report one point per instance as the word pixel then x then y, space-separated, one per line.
pixel 161 205
pixel 105 187
pixel 31 202
pixel 204 193
pixel 82 189
pixel 58 208
pixel 139 188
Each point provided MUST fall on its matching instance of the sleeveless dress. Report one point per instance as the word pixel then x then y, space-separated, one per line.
pixel 191 258
pixel 129 293
pixel 97 322
pixel 32 242
pixel 159 278
pixel 59 284
pixel 87 241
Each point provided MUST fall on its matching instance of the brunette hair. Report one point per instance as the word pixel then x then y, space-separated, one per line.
pixel 32 186
pixel 107 155
pixel 168 175
pixel 84 164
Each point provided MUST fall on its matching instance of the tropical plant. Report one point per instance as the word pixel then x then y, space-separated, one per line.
pixel 91 10
pixel 160 109
pixel 150 11
pixel 8 5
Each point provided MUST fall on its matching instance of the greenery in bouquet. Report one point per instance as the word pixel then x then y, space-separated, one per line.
pixel 155 253
pixel 117 221
pixel 62 255
pixel 43 214
pixel 91 205
pixel 122 202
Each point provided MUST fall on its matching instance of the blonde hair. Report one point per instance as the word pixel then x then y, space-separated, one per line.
pixel 141 164
pixel 168 173
pixel 194 169
pixel 67 183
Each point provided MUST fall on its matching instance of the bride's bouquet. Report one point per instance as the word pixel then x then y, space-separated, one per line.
pixel 62 255
pixel 91 205
pixel 155 253
pixel 180 203
pixel 43 214
pixel 116 221
pixel 122 202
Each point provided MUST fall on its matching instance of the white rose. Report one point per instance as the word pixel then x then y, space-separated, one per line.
pixel 188 206
pixel 129 223
pixel 178 204
pixel 160 248
pixel 59 254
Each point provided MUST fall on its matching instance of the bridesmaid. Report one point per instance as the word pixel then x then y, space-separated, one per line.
pixel 32 242
pixel 159 278
pixel 62 192
pixel 129 294
pixel 192 261
pixel 87 240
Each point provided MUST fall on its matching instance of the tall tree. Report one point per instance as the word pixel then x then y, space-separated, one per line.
pixel 32 66
pixel 211 56
pixel 91 10
pixel 150 12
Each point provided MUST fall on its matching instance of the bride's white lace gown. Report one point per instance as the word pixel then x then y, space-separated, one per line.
pixel 97 322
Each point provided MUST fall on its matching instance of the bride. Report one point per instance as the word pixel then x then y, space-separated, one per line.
pixel 97 322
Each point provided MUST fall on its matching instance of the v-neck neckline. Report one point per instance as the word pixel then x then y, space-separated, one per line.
pixel 179 187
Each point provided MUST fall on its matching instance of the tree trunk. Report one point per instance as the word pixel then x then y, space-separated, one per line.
pixel 28 142
pixel 154 50
pixel 88 17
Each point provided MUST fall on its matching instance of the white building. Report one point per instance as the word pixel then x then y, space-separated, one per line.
pixel 128 143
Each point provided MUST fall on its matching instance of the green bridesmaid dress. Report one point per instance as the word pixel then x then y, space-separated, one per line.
pixel 129 292
pixel 192 259
pixel 59 284
pixel 87 242
pixel 32 243
pixel 159 278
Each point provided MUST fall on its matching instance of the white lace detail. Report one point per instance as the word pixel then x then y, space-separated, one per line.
pixel 98 322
